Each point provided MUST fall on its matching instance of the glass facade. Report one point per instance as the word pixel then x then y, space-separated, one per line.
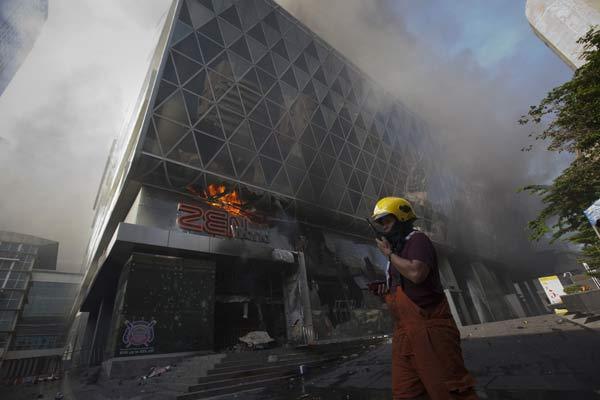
pixel 249 96
pixel 49 299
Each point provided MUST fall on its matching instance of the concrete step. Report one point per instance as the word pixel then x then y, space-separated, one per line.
pixel 243 379
pixel 203 394
pixel 263 363
pixel 226 363
pixel 262 370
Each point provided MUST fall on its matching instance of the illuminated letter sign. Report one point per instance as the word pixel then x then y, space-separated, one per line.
pixel 219 223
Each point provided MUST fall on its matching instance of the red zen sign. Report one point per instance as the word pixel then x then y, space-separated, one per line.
pixel 220 223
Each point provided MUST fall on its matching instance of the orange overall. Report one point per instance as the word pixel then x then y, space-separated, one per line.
pixel 426 353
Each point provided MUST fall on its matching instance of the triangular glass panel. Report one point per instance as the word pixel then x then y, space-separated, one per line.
pixel 301 77
pixel 311 62
pixel 309 90
pixel 266 63
pixel 360 164
pixel 189 47
pixel 254 174
pixel 199 85
pixel 229 32
pixel 212 31
pixel 320 76
pixel 146 165
pixel 243 137
pixel 327 102
pixel 308 154
pixel 285 145
pixel 352 138
pixel 241 158
pixel 295 157
pixel 289 93
pixel 271 148
pixel 305 192
pixel 248 13
pixel 220 84
pixel 231 16
pixel 311 49
pixel 320 89
pixel 317 168
pixel 158 177
pixel 281 183
pixel 211 124
pixel 231 120
pixel 257 50
pixel 318 118
pixel 329 117
pixel 207 146
pixel 290 78
pixel 249 98
pixel 270 168
pixel 346 205
pixel 328 163
pixel 327 147
pixel 241 48
pixel 165 89
pixel 209 48
pixel 307 138
pixel 258 34
pixel 169 71
pixel 221 5
pixel 276 95
pixel 369 189
pixel 238 65
pixel 181 30
pixel 186 68
pixel 200 14
pixel 271 21
pixel 222 65
pixel 151 144
pixel 186 152
pixel 259 134
pixel 345 156
pixel 354 184
pixel 354 198
pixel 169 133
pixel 260 115
pixel 337 88
pixel 337 144
pixel 285 126
pixel 337 177
pixel 221 164
pixel 196 106
pixel 184 14
pixel 318 184
pixel 346 171
pixel 250 80
pixel 331 196
pixel 266 81
pixel 174 109
pixel 280 63
pixel 280 49
pixel 295 175
pixel 275 111
pixel 271 34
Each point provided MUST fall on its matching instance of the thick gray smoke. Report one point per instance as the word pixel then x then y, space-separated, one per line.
pixel 63 108
pixel 472 112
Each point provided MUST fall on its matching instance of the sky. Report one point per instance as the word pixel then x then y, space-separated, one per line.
pixel 470 68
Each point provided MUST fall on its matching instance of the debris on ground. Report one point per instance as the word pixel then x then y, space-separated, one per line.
pixel 154 372
pixel 256 339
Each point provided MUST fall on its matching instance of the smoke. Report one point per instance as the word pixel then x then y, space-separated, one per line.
pixel 61 111
pixel 470 99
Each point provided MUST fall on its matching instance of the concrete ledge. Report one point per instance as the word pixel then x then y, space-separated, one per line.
pixel 129 367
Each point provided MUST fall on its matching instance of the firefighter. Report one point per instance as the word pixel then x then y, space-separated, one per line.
pixel 426 353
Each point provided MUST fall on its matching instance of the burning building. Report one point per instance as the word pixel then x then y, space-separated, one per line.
pixel 235 200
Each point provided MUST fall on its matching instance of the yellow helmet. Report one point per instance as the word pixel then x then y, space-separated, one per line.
pixel 397 206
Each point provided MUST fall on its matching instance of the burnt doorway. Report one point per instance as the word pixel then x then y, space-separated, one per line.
pixel 249 297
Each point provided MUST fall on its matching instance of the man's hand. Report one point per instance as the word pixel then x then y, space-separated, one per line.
pixel 384 246
pixel 378 288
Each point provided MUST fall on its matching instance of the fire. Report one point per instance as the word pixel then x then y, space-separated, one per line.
pixel 218 196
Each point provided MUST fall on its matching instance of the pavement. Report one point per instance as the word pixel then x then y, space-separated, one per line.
pixel 544 357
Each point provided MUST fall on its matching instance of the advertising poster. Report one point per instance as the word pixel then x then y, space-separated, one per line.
pixel 553 288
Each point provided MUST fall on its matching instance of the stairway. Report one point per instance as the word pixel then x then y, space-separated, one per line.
pixel 252 370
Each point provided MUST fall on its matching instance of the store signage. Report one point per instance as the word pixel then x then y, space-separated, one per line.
pixel 137 338
pixel 218 222
pixel 553 288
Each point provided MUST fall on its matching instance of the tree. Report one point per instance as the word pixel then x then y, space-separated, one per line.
pixel 570 119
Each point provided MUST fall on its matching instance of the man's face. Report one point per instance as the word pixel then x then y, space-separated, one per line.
pixel 387 222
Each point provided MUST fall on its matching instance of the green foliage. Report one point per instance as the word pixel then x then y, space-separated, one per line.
pixel 572 289
pixel 570 115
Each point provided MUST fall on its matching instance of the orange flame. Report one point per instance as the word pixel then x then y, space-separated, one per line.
pixel 218 196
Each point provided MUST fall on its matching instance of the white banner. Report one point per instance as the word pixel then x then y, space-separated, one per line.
pixel 553 288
